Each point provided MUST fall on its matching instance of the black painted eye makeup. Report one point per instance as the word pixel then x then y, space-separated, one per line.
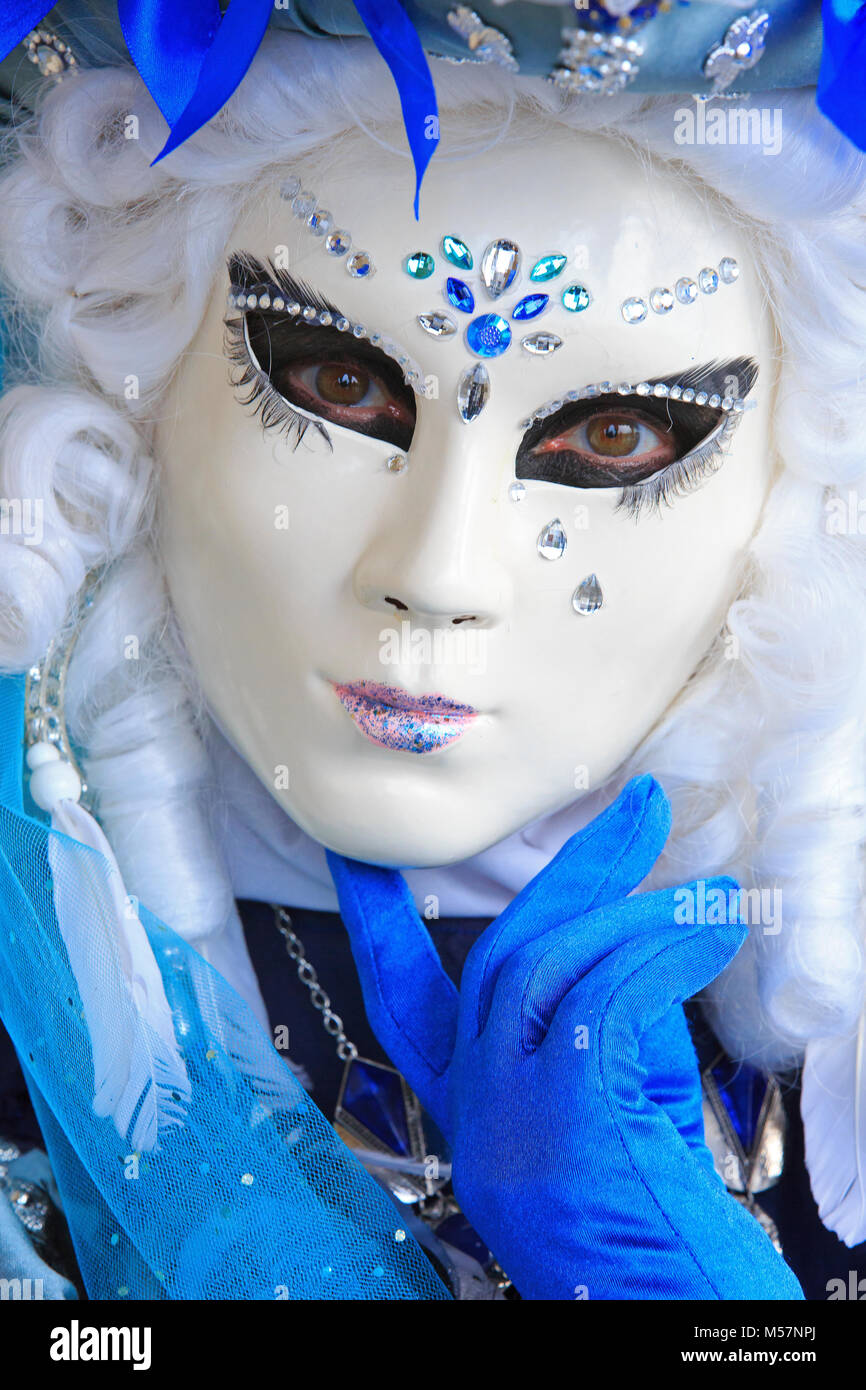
pixel 655 441
pixel 310 368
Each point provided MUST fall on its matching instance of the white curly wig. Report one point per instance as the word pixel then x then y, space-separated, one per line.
pixel 108 262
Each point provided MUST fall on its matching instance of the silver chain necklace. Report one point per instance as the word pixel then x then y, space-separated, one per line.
pixel 331 1022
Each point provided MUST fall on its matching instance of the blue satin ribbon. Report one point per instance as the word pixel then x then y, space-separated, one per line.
pixel 191 59
pixel 394 35
pixel 842 76
pixel 16 21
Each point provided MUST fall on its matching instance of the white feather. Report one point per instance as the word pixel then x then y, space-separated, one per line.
pixel 137 1064
pixel 833 1107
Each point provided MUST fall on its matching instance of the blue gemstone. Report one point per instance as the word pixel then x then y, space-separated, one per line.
pixel 742 1090
pixel 530 307
pixel 374 1096
pixel 489 335
pixel 460 295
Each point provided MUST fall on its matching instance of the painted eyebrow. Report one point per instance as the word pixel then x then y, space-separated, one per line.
pixel 247 272
pixel 713 377
pixel 710 377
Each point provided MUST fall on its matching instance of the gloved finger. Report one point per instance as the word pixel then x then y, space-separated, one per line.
pixel 538 977
pixel 633 987
pixel 410 1001
pixel 668 1058
pixel 601 864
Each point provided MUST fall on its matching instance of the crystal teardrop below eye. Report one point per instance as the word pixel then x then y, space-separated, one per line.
pixel 499 265
pixel 437 325
pixel 541 344
pixel 552 540
pixel 457 252
pixel 459 294
pixel 473 392
pixel 530 307
pixel 488 335
pixel 587 597
pixel 548 267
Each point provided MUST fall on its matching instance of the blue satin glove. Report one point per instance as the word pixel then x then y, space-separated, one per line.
pixel 585 1174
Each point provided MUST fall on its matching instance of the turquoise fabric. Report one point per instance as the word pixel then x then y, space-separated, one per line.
pixel 251 1195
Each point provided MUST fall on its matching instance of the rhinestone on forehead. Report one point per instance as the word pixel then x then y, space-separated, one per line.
pixel 260 297
pixel 320 223
pixel 685 291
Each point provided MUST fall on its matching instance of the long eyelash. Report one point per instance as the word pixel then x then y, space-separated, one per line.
pixel 273 410
pixel 680 477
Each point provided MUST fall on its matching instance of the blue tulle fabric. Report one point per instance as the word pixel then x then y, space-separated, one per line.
pixel 251 1194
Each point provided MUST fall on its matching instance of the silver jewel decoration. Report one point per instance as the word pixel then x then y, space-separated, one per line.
pixel 594 62
pixel 686 290
pixel 290 188
pixel 541 344
pixel 360 265
pixel 587 597
pixel 499 266
pixel 740 49
pixel 486 44
pixel 473 392
pixel 260 297
pixel 634 310
pixel 437 325
pixel 516 492
pixel 552 540
pixel 338 243
pixel 303 204
pixel 661 300
pixel 397 463
pixel 320 222
pixel 728 270
pixel 51 55
pixel 708 280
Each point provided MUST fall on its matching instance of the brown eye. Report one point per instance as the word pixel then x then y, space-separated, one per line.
pixel 613 437
pixel 342 385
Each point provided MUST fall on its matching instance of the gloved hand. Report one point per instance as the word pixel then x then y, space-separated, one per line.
pixel 583 1173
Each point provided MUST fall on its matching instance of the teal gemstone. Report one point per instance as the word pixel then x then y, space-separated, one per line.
pixel 420 265
pixel 548 267
pixel 457 252
pixel 576 297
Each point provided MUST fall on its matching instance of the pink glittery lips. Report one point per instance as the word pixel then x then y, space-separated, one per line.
pixel 395 719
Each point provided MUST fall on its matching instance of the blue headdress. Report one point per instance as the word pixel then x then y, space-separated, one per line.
pixel 192 56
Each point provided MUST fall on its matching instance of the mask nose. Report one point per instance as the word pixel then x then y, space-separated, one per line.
pixel 437 556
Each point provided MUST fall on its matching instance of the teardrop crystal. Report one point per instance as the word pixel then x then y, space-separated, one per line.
pixel 437 325
pixel 541 344
pixel 499 265
pixel 473 392
pixel 552 540
pixel 587 597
